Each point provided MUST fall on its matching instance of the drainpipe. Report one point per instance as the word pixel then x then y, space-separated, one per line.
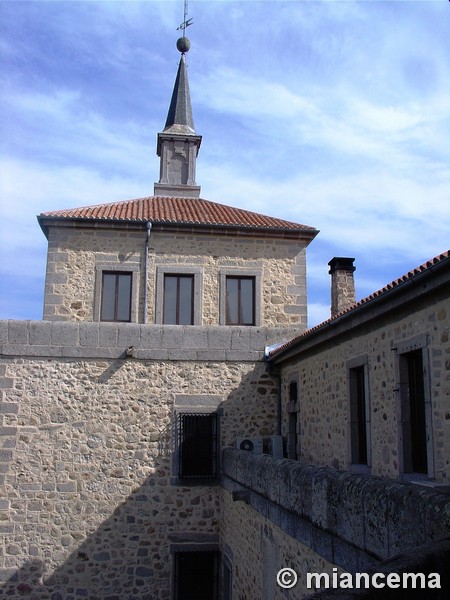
pixel 274 372
pixel 277 377
pixel 147 239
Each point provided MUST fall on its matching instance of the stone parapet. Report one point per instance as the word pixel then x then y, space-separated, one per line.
pixel 130 340
pixel 352 514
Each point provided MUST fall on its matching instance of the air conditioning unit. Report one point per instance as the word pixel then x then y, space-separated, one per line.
pixel 250 444
pixel 276 446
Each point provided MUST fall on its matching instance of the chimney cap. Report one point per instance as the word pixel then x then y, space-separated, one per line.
pixel 340 263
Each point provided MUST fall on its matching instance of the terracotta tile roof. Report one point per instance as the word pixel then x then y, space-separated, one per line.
pixel 387 288
pixel 177 211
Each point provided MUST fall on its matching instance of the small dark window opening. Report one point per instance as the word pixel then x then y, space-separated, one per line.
pixel 240 300
pixel 197 446
pixel 414 418
pixel 358 416
pixel 293 391
pixel 178 300
pixel 116 297
pixel 196 575
pixel 293 449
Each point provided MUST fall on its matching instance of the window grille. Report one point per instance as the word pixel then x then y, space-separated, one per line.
pixel 197 445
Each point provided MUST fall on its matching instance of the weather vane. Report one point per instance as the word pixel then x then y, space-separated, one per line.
pixel 186 21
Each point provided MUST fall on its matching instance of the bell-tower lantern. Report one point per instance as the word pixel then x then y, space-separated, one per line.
pixel 178 144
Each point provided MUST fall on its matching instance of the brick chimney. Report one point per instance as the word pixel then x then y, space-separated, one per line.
pixel 342 284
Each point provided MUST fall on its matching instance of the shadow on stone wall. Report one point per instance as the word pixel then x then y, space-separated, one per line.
pixel 118 561
pixel 127 556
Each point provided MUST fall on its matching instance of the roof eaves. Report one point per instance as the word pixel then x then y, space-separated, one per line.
pixel 303 232
pixel 398 286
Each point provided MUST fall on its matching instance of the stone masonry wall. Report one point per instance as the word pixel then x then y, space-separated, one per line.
pixel 256 548
pixel 76 257
pixel 322 375
pixel 89 506
pixel 281 513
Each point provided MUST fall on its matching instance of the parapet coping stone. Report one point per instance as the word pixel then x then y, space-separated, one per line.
pixel 371 513
pixel 90 340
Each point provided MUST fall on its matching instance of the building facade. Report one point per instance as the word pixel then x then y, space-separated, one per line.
pixel 380 371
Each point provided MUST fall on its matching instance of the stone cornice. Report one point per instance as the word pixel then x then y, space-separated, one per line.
pixel 131 341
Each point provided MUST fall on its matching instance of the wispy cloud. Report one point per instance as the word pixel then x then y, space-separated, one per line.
pixel 332 114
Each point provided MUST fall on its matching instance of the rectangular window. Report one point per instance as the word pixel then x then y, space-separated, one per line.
pixel 196 575
pixel 293 438
pixel 116 296
pixel 240 300
pixel 197 446
pixel 178 306
pixel 414 418
pixel 359 416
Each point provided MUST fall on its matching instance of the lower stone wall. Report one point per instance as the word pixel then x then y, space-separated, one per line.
pixel 90 505
pixel 256 549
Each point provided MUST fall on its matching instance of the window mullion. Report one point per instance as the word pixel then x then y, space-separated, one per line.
pixel 116 298
pixel 177 302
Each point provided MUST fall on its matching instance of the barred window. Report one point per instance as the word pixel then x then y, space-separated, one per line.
pixel 197 446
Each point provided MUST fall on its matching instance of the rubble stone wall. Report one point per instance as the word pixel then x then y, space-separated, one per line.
pixel 76 258
pixel 90 504
pixel 256 548
pixel 322 373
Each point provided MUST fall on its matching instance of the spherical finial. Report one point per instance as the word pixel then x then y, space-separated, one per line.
pixel 183 45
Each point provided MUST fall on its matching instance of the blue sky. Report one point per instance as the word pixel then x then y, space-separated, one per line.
pixel 334 114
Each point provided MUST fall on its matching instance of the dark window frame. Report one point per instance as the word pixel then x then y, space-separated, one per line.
pixel 293 421
pixel 404 349
pixel 359 417
pixel 198 564
pixel 414 420
pixel 240 319
pixel 198 446
pixel 117 275
pixel 178 277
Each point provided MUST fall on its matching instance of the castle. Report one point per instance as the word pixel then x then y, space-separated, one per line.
pixel 172 429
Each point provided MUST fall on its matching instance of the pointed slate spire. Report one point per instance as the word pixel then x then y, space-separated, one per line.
pixel 179 117
pixel 178 144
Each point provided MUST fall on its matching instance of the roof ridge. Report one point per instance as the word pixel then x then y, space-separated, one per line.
pixel 389 286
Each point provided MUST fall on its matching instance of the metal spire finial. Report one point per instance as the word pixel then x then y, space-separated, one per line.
pixel 183 43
